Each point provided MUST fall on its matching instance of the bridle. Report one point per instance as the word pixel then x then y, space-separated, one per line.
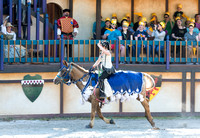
pixel 67 75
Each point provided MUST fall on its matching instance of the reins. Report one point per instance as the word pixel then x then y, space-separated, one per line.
pixel 67 75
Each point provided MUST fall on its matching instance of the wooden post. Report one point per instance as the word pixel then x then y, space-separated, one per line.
pixel 35 5
pixel 55 29
pixel 29 21
pixel 10 11
pixel 132 11
pixel 62 51
pixel 71 8
pixel 44 6
pixel 98 19
pixel 55 36
pixel 167 5
pixel 19 18
pixel 199 6
pixel 1 53
pixel 168 52
pixel 38 24
pixel 1 11
pixel 46 33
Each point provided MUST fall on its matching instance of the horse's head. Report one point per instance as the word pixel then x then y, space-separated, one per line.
pixel 63 74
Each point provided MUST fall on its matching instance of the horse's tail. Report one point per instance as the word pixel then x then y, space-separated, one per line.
pixel 150 83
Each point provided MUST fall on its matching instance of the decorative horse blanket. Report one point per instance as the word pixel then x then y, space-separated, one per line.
pixel 123 81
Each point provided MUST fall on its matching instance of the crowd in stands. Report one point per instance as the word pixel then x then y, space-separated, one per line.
pixel 180 28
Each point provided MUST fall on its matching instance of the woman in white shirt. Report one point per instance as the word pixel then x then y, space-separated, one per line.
pixel 106 61
pixel 159 35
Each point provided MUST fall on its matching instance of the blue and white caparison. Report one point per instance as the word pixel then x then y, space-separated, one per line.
pixel 122 83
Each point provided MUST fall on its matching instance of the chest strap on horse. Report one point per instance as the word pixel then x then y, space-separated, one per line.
pixel 87 84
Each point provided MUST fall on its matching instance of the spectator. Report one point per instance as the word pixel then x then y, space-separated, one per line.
pixel 114 16
pixel 6 29
pixel 153 21
pixel 159 35
pixel 187 22
pixel 197 20
pixel 136 25
pixel 178 33
pixel 129 20
pixel 146 28
pixel 114 34
pixel 169 23
pixel 67 27
pixel 129 28
pixel 191 36
pixel 106 27
pixel 126 35
pixel 179 12
pixel 178 30
pixel 94 27
pixel 140 35
pixel 195 29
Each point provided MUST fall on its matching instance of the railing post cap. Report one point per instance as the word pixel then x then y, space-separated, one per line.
pixel 1 36
pixel 29 4
pixel 38 9
pixel 55 21
pixel 61 36
pixel 47 15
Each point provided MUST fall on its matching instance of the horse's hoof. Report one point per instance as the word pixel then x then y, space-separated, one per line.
pixel 156 128
pixel 88 126
pixel 112 121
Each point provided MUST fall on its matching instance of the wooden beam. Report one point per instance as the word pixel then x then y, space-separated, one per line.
pixel 132 11
pixel 71 8
pixel 98 19
pixel 199 6
pixel 167 5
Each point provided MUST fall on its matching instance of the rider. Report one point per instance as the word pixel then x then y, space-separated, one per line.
pixel 108 69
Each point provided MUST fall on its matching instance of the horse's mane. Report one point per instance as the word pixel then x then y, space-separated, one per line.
pixel 79 67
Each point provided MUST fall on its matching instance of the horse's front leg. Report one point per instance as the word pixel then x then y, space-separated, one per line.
pixel 94 104
pixel 108 121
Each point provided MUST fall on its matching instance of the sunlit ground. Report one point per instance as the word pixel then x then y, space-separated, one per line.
pixel 124 128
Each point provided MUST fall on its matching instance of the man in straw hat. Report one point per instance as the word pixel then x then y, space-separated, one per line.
pixel 67 27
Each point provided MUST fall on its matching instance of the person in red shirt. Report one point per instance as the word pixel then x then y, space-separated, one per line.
pixel 67 27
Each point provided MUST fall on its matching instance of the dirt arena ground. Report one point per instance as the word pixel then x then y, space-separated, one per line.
pixel 124 128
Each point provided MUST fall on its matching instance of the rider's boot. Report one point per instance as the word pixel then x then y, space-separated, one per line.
pixel 102 95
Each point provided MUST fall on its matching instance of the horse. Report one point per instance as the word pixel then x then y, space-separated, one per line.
pixel 73 73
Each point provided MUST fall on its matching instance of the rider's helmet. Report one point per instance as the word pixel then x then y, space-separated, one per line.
pixel 105 44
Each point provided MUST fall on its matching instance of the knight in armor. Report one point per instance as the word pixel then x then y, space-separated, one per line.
pixel 107 67
pixel 67 27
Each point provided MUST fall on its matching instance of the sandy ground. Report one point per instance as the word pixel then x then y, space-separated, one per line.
pixel 124 128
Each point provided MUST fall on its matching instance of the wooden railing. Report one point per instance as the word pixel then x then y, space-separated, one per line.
pixel 53 51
